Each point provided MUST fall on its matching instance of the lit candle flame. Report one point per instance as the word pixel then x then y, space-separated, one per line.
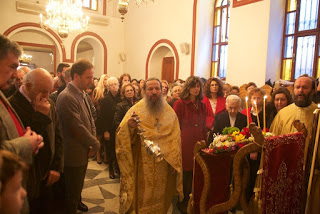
pixel 255 103
pixel 318 105
pixel 246 98
pixel 265 97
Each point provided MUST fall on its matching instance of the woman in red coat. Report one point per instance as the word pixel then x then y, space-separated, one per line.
pixel 214 100
pixel 191 113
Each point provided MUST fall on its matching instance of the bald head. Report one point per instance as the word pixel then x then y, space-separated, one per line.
pixel 38 82
pixel 25 69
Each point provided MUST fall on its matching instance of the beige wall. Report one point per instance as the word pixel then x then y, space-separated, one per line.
pixel 255 37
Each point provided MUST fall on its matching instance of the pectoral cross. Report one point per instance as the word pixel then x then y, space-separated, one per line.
pixel 158 125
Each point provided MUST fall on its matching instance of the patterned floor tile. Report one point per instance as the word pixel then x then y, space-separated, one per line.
pixel 101 194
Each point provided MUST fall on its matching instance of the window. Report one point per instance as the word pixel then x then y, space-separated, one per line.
pixel 300 53
pixel 90 4
pixel 220 38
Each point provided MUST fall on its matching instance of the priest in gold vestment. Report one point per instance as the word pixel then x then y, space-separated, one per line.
pixel 147 186
pixel 302 109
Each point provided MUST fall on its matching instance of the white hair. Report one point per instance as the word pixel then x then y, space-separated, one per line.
pixel 233 98
pixel 112 79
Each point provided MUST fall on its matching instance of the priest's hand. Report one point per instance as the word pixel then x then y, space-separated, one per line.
pixel 41 104
pixel 133 121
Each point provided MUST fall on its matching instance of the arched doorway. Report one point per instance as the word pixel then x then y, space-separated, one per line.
pixel 162 64
pixel 40 46
pixel 91 49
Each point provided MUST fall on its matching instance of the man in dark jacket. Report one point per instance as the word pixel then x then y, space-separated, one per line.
pixel 231 118
pixel 32 105
pixel 78 132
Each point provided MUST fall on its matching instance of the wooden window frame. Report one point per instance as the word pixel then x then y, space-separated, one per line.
pixel 90 7
pixel 219 42
pixel 296 34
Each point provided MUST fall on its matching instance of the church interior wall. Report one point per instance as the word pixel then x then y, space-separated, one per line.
pixel 248 43
pixel 254 45
pixel 149 23
pixel 204 38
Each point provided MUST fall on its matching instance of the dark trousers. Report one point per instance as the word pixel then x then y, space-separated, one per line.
pixel 74 179
pixel 111 153
pixel 44 202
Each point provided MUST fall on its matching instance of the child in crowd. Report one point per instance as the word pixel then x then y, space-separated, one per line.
pixel 12 194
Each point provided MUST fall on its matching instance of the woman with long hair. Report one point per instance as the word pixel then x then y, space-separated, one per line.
pixel 98 94
pixel 191 112
pixel 214 100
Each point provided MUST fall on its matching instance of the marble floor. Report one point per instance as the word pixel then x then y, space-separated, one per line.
pixel 101 194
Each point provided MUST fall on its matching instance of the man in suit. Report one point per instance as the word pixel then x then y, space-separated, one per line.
pixel 37 111
pixel 78 132
pixel 231 118
pixel 14 137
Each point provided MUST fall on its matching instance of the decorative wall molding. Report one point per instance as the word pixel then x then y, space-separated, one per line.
pixel 43 46
pixel 85 34
pixel 165 41
pixel 60 42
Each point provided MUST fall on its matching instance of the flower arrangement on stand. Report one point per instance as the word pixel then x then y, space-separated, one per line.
pixel 231 139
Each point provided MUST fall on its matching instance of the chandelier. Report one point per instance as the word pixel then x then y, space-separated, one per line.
pixel 123 6
pixel 24 58
pixel 64 17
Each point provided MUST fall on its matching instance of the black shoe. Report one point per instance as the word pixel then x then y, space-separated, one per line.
pixel 82 207
pixel 111 173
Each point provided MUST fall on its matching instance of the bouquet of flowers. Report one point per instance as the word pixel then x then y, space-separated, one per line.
pixel 231 139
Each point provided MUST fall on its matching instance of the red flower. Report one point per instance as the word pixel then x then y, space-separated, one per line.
pixel 246 132
pixel 225 147
pixel 241 145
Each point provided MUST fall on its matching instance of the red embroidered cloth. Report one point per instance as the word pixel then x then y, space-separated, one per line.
pixel 282 177
pixel 219 166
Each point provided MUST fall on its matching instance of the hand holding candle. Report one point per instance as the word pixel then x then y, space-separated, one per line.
pixel 247 112
pixel 255 103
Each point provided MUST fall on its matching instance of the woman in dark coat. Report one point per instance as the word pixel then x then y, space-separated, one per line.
pixel 105 129
pixel 191 112
pixel 128 94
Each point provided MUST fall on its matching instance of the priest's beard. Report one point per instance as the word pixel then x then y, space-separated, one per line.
pixel 306 101
pixel 155 106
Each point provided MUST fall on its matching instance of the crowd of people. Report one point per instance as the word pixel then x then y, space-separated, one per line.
pixel 50 126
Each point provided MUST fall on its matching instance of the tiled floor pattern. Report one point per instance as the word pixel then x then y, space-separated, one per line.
pixel 101 194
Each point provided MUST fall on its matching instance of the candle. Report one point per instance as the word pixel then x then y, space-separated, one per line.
pixel 41 18
pixel 264 113
pixel 247 112
pixel 255 103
